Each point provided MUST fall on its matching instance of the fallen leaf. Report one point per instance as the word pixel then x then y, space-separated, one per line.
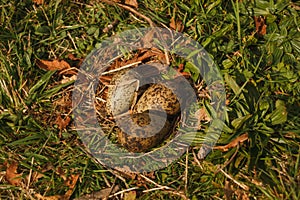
pixel 176 24
pixel 201 115
pixel 228 190
pixel 72 57
pixel 180 67
pixel 131 195
pixel 55 197
pixel 101 194
pixel 147 39
pixel 11 174
pixel 242 195
pixel 38 2
pixel 67 79
pixel 260 25
pixel 181 72
pixel 53 65
pixel 146 55
pixel 233 143
pixel 126 172
pixel 37 175
pixel 62 123
pixel 132 3
pixel 61 173
pixel 71 182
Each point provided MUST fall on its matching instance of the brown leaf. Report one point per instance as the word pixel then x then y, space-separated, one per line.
pixel 176 25
pixel 228 190
pixel 62 123
pixel 71 182
pixel 131 195
pixel 132 3
pixel 11 174
pixel 147 39
pixel 260 25
pixel 72 57
pixel 37 175
pixel 38 2
pixel 201 115
pixel 67 79
pixel 181 72
pixel 101 194
pixel 61 173
pixel 233 143
pixel 55 197
pixel 53 65
pixel 146 55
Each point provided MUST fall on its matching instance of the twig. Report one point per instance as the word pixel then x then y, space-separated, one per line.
pixel 151 23
pixel 121 68
pixel 165 188
pixel 72 40
pixel 197 161
pixel 123 191
pixel 30 174
pixel 156 184
pixel 243 186
pixel 233 143
pixel 228 161
pixel 186 170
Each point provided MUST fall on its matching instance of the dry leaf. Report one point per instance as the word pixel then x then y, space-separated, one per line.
pixel 132 3
pixel 34 177
pixel 71 182
pixel 102 194
pixel 228 190
pixel 62 123
pixel 61 173
pixel 146 55
pixel 131 195
pixel 147 39
pixel 11 174
pixel 38 2
pixel 233 143
pixel 72 57
pixel 55 197
pixel 181 72
pixel 66 79
pixel 53 65
pixel 37 175
pixel 201 115
pixel 260 25
pixel 176 25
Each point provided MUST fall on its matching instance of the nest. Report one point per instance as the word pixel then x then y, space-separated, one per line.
pixel 146 58
pixel 193 95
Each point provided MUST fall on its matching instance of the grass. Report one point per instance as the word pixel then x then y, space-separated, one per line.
pixel 261 73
